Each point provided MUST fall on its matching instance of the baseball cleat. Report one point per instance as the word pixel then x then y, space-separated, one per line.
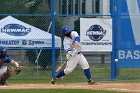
pixel 91 82
pixel 53 81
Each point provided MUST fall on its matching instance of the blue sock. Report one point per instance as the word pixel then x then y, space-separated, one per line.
pixel 60 74
pixel 87 73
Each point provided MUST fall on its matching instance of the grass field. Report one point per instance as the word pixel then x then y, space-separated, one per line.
pixel 30 75
pixel 97 71
pixel 55 91
pixel 100 72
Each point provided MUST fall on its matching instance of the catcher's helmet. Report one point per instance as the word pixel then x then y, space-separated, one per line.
pixel 2 49
pixel 66 29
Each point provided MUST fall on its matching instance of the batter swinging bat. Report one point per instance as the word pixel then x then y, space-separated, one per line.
pixel 61 66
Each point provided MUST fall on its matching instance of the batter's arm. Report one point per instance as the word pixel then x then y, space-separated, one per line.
pixel 76 49
pixel 76 44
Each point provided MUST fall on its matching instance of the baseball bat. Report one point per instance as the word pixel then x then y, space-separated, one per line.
pixel 60 67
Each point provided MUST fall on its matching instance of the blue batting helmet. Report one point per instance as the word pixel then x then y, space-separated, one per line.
pixel 65 29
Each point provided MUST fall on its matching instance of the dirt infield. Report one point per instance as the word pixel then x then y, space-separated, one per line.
pixel 124 87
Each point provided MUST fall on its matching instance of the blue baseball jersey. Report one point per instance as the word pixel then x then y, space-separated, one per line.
pixel 4 59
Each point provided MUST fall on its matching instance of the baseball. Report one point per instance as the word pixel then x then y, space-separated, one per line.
pixel 116 60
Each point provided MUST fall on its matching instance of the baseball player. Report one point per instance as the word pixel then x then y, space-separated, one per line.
pixel 73 54
pixel 6 71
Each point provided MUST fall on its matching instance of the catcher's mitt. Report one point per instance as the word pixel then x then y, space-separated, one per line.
pixel 18 70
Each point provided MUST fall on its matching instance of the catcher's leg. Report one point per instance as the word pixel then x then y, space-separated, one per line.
pixel 6 75
pixel 3 70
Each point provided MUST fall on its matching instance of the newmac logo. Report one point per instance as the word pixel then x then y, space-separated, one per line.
pixel 15 30
pixel 96 32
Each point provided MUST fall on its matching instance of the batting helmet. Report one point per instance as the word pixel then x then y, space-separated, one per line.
pixel 65 29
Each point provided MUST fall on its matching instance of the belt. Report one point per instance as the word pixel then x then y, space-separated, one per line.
pixel 79 53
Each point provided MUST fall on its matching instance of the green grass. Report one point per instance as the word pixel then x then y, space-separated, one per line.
pixel 30 74
pixel 98 71
pixel 55 91
pixel 129 74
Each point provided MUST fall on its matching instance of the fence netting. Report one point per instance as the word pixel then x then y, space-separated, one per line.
pixel 127 39
pixel 38 13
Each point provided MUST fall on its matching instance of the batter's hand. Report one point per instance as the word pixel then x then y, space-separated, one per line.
pixel 71 53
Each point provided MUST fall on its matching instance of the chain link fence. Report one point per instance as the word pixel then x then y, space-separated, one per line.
pixel 67 12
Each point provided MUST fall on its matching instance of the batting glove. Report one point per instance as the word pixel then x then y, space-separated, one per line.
pixel 71 53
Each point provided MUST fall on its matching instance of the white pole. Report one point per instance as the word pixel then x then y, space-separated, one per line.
pixel 36 61
pixel 49 27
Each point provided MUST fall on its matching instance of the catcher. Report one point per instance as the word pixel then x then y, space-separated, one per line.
pixel 6 71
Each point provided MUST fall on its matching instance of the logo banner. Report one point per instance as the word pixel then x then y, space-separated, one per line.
pixel 128 39
pixel 26 43
pixel 15 33
pixel 96 34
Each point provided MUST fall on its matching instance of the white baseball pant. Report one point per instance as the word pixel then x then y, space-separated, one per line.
pixel 73 61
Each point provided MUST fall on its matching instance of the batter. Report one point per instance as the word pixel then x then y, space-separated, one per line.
pixel 73 54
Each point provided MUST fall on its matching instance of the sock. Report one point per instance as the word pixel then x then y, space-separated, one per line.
pixel 60 74
pixel 87 73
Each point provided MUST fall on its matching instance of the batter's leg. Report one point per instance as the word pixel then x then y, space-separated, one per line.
pixel 85 65
pixel 71 64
